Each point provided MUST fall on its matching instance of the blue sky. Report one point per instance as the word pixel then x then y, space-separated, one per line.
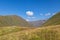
pixel 40 9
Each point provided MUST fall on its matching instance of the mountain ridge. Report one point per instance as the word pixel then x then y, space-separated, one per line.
pixel 54 20
pixel 12 20
pixel 37 23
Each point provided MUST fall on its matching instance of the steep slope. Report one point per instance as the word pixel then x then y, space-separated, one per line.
pixel 12 20
pixel 54 20
pixel 37 23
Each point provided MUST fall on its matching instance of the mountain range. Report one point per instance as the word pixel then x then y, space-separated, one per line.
pixel 49 30
pixel 14 20
pixel 37 23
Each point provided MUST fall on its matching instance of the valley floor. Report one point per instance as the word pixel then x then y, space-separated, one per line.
pixel 41 33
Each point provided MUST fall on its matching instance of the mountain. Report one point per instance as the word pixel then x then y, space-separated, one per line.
pixel 13 20
pixel 54 20
pixel 37 23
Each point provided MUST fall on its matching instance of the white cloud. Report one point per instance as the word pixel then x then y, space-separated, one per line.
pixel 27 19
pixel 29 13
pixel 53 13
pixel 48 14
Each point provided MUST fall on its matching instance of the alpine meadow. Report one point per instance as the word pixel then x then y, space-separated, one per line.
pixel 29 19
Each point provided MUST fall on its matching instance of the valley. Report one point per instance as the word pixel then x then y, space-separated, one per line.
pixel 16 31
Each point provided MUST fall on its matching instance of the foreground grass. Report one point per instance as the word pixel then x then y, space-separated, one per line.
pixel 43 33
pixel 7 30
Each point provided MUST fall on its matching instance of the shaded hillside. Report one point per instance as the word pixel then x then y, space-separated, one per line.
pixel 37 23
pixel 54 20
pixel 12 20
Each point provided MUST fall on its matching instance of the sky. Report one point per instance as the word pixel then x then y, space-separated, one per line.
pixel 30 10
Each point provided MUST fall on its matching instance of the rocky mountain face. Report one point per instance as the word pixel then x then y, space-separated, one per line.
pixel 37 23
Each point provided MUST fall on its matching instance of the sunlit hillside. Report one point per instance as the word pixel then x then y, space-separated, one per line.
pixel 13 20
pixel 43 33
pixel 49 31
pixel 54 20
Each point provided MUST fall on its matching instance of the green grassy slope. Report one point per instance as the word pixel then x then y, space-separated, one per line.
pixel 54 20
pixel 43 33
pixel 8 30
pixel 12 20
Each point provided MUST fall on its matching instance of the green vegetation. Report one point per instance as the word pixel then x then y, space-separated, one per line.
pixel 43 33
pixel 13 20
pixel 54 20
pixel 6 30
pixel 16 29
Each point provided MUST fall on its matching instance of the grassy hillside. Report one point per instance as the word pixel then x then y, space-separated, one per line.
pixel 12 20
pixel 43 33
pixel 13 31
pixel 54 20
